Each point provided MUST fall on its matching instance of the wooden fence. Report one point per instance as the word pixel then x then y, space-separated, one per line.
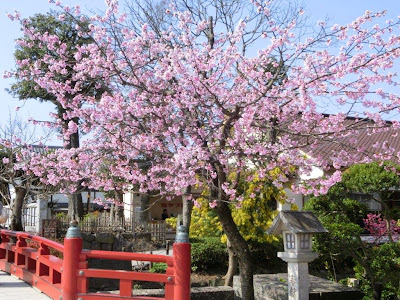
pixel 157 230
pixel 103 223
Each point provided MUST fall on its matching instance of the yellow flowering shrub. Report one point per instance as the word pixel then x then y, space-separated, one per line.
pixel 252 212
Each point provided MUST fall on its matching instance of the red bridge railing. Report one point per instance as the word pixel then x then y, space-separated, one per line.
pixel 67 278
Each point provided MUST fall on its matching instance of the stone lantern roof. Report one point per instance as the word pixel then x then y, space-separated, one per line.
pixel 296 222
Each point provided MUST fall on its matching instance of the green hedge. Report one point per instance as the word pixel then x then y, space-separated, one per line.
pixel 209 255
pixel 264 257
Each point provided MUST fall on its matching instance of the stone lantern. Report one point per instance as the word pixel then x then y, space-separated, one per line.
pixel 297 228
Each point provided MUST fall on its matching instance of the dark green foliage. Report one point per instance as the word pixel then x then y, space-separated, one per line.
pixel 385 264
pixel 342 253
pixel 264 257
pixel 374 179
pixel 25 87
pixel 209 255
pixel 342 218
pixel 370 178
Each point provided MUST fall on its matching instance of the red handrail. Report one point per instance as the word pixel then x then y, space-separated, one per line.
pixel 68 278
pixel 35 266
pixel 101 254
pixel 49 243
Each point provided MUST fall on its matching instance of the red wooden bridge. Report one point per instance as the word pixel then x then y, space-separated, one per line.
pixel 62 272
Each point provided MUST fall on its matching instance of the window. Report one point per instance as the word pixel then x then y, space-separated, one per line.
pixel 304 241
pixel 290 244
pixel 366 199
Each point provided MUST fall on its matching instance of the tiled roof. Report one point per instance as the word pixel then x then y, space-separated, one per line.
pixel 41 149
pixel 362 139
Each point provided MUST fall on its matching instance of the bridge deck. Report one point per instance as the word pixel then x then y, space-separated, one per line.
pixel 12 288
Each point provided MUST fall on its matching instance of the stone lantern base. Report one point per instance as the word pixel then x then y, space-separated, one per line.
pixel 298 279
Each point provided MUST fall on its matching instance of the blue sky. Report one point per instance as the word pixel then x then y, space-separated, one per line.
pixel 338 11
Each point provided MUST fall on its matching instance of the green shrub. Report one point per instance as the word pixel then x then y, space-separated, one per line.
pixel 60 216
pixel 209 255
pixel 385 265
pixel 341 217
pixel 264 256
pixel 158 268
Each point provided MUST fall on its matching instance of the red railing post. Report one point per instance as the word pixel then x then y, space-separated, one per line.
pixel 181 257
pixel 72 251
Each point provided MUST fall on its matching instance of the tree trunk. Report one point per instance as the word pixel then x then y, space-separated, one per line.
pixel 144 209
pixel 239 247
pixel 376 286
pixel 75 203
pixel 88 203
pixel 387 217
pixel 16 209
pixel 232 266
pixel 377 290
pixel 112 214
pixel 75 206
pixel 365 261
pixel 187 208
pixel 120 208
pixel 73 141
pixel 5 192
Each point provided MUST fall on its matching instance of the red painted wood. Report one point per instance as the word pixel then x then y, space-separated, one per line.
pixel 42 283
pixel 68 277
pixel 53 262
pixel 21 242
pixel 72 249
pixel 126 275
pixel 169 286
pixel 182 271
pixel 115 255
pixel 100 296
pixel 125 288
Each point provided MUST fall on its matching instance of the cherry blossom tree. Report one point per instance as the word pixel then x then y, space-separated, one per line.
pixel 199 111
pixel 219 14
pixel 377 226
pixel 17 185
pixel 29 51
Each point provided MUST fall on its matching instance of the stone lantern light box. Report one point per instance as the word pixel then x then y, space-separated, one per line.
pixel 297 228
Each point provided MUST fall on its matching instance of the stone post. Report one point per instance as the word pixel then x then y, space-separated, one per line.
pixel 41 213
pixel 298 279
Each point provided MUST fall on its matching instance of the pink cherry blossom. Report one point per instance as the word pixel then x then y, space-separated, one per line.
pixel 179 111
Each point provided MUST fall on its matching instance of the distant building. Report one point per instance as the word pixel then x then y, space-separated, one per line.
pixel 367 142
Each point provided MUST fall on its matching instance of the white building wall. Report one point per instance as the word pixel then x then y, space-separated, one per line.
pixel 132 206
pixel 33 215
pixel 298 199
pixel 37 209
pixel 62 198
